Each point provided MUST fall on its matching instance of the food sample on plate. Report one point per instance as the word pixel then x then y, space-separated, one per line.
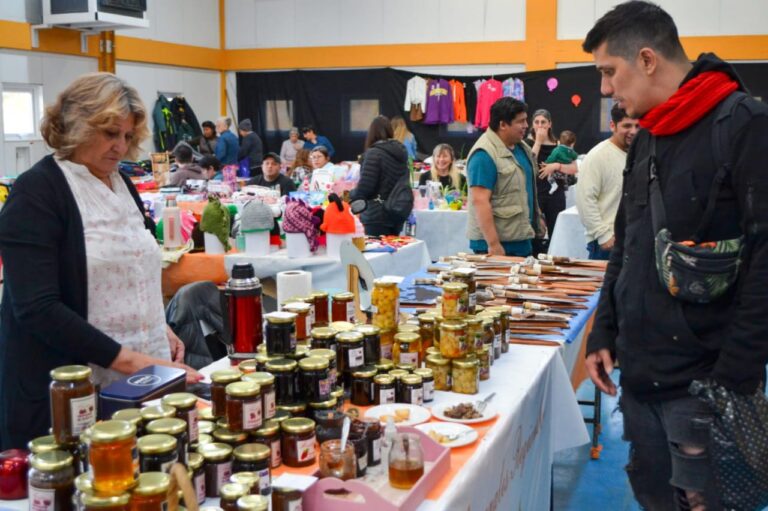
pixel 437 437
pixel 462 411
pixel 401 415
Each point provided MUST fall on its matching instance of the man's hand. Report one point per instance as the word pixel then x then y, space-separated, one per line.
pixel 496 249
pixel 599 367
pixel 608 245
pixel 177 346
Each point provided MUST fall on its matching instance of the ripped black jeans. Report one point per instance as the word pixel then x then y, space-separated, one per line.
pixel 659 470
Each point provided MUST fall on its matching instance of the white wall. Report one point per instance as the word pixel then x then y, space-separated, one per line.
pixel 30 11
pixel 190 22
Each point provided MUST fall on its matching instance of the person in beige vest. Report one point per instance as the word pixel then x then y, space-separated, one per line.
pixel 504 215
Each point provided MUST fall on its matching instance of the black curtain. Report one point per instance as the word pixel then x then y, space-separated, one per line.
pixel 322 98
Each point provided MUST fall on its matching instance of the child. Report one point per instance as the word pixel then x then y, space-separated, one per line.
pixel 563 153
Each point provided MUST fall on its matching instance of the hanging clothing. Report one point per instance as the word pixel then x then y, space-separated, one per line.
pixel 416 98
pixel 164 126
pixel 187 127
pixel 514 88
pixel 487 94
pixel 459 106
pixel 439 102
pixel 470 99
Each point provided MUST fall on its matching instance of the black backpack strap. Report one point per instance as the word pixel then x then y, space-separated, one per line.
pixel 658 212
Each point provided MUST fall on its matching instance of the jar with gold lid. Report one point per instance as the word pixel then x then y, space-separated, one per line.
pixel 186 409
pixel 341 326
pixel 244 406
pixel 426 331
pixel 398 375
pixel 455 301
pixel 73 402
pixel 157 453
pixel 330 355
pixel 323 338
pixel 385 305
pixel 383 389
pixel 321 305
pixel 343 307
pixel 303 325
pixel 253 503
pixel 441 370
pixel 314 379
pixel 132 415
pixel 114 459
pixel 361 391
pixel 230 492
pixel 351 354
pixel 257 458
pixel 177 428
pixel 217 464
pixel 453 339
pixel 151 492
pixel 475 335
pixel 384 366
pixel 371 343
pixel 284 371
pixel 269 435
pixel 407 328
pixel 224 435
pixel 298 409
pixel 407 349
pixel 95 502
pixel 247 366
pixel 197 475
pixel 506 313
pixel 280 333
pixel 495 317
pixel 428 379
pixel 219 381
pixel 51 479
pixel 484 356
pixel 266 381
pixel 151 413
pixel 250 480
pixel 466 375
pixel 412 390
pixel 467 276
pixel 45 443
pixel 298 442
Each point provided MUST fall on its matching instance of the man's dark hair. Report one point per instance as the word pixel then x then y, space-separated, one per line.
pixel 617 114
pixel 380 129
pixel 631 26
pixel 505 109
pixel 307 128
pixel 209 124
pixel 210 161
pixel 183 153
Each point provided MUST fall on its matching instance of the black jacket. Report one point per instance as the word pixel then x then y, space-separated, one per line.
pixel 384 163
pixel 663 343
pixel 252 148
pixel 193 303
pixel 44 312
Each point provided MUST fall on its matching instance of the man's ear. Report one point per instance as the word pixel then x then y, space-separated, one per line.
pixel 647 58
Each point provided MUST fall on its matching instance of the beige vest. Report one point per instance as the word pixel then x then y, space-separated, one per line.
pixel 509 199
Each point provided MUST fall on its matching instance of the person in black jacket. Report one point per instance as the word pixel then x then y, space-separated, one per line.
pixel 664 343
pixel 250 145
pixel 385 161
pixel 82 273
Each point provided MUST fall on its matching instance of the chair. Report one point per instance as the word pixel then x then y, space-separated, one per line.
pixel 360 276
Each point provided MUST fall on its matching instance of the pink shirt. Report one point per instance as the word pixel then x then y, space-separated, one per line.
pixel 487 94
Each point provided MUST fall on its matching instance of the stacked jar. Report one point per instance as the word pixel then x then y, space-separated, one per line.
pixel 407 349
pixel 286 384
pixel 321 305
pixel 303 326
pixel 495 316
pixel 220 379
pixel 371 343
pixel 467 276
pixel 266 381
pixel 351 354
pixel 455 304
pixel 385 299
pixel 427 332
pixel 506 312
pixel 343 307
pixel 280 333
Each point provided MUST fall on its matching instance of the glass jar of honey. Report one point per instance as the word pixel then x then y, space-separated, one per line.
pixel 224 435
pixel 453 339
pixel 495 317
pixel 371 343
pixel 467 276
pixel 441 370
pixel 253 503
pixel 219 381
pixel 351 354
pixel 323 338
pixel 151 493
pixel 330 355
pixel 255 458
pixel 280 333
pixel 321 304
pixel 466 375
pixel 284 371
pixel 428 379
pixel 114 459
pixel 427 331
pixel 73 402
pixel 197 476
pixel 362 391
pixel 269 435
pixel 506 313
pixel 343 307
pixel 244 406
pixel 132 415
pixel 177 428
pixel 455 300
pixel 385 299
pixel 157 453
pixel 250 480
pixel 95 502
pixel 152 413
pixel 475 333
pixel 303 327
pixel 51 481
pixel 412 390
pixel 407 349
pixel 383 389
pixel 387 340
pixel 314 379
pixel 267 383
pixel 217 464
pixel 230 492
pixel 298 442
pixel 186 410
pixel 335 463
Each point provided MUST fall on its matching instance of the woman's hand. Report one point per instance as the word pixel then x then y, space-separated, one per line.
pixel 542 135
pixel 547 169
pixel 128 362
pixel 177 346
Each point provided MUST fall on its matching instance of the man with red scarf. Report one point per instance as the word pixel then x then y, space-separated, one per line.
pixel 661 342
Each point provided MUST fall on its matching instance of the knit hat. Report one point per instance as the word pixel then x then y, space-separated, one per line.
pixel 256 217
pixel 245 125
pixel 338 219
pixel 216 221
pixel 298 218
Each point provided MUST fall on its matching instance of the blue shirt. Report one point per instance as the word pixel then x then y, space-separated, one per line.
pixel 323 141
pixel 410 146
pixel 226 148
pixel 481 171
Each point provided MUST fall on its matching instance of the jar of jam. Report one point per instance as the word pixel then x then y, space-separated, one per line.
pixel 371 343
pixel 298 442
pixel 321 304
pixel 157 453
pixel 253 503
pixel 398 374
pixel 453 339
pixel 281 333
pixel 219 381
pixel 230 492
pixel 475 333
pixel 177 428
pixel 323 338
pixel 303 326
pixel 428 379
pixel 73 402
pixel 384 366
pixel 328 425
pixel 132 415
pixel 224 435
pixel 151 493
pixel 250 480
pixel 426 331
pixel 351 354
pixel 466 375
pixel 506 313
pixel 323 406
pixel 255 458
pixel 455 300
pixel 330 355
pixel 205 428
pixel 286 499
pixel 362 391
pixel 385 305
pixel 247 366
pixel 343 307
pixel 186 410
pixel 51 478
pixel 441 370
pixel 267 383
pixel 387 340
pixel 407 348
pixel 152 413
pixel 244 406
pixel 314 378
pixel 383 389
pixel 467 276
pixel 269 435
pixel 335 463
pixel 114 459
pixel 412 390
pixel 284 371
pixel 372 431
pixel 294 409
pixel 217 464
pixel 197 476
pixel 484 355
pixel 360 443
pixel 94 502
pixel 338 394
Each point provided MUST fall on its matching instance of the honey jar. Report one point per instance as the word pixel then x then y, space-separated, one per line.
pixel 186 410
pixel 407 349
pixel 157 453
pixel 321 305
pixel 51 481
pixel 177 428
pixel 298 442
pixel 230 492
pixel 267 383
pixel 114 459
pixel 371 343
pixel 197 475
pixel 330 355
pixel 73 402
pixel 269 435
pixel 455 300
pixel 280 333
pixel 428 379
pixel 284 371
pixel 244 406
pixel 95 502
pixel 255 458
pixel 343 307
pixel 323 338
pixel 303 325
pixel 151 493
pixel 219 381
pixel 217 464
pixel 385 299
pixel 441 370
pixel 466 375
pixel 453 339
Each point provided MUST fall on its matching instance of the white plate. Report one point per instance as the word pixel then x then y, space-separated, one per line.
pixel 439 412
pixel 466 435
pixel 419 414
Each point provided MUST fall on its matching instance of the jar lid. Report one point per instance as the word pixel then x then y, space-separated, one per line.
pixel 313 363
pixel 398 373
pixel 262 378
pixel 43 444
pixel 424 372
pixel 167 426
pixel 385 365
pixel 281 365
pixel 262 358
pixel 298 425
pixel 295 299
pixel 229 437
pixel 261 349
pixel 252 503
pixel 152 483
pixel 407 328
pixel 427 317
pixel 323 332
pixel 384 379
pixel 324 405
pixel 338 393
pixel 464 272
pixel 51 461
pixel 346 296
pixel 252 452
pixel 438 360
pixel 205 427
pixel 368 330
pixel 84 482
pixel 453 325
pixel 216 451
pixel 90 500
pixel 180 400
pixel 365 372
pixel 280 317
pixel 194 460
pixel 156 443
pixel 247 366
pixel 243 389
pixel 205 438
pixel 132 415
pixel 293 408
pixel 269 428
pixel 455 287
pixel 432 350
pixel 297 308
pixel 479 309
pixel 407 337
pixel 318 294
pixel 322 352
pixel 151 413
pixel 487 321
pixel 281 415
pixel 412 379
pixel 71 373
pixel 504 309
pixel 438 318
pixel 233 491
pixel 342 326
pixel 473 320
pixel 408 368
pixel 465 363
pixel 110 431
pixel 384 282
pixel 247 479
pixel 349 336
pixel 228 375
pixel 490 312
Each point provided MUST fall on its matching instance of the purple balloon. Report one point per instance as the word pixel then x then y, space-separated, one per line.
pixel 552 84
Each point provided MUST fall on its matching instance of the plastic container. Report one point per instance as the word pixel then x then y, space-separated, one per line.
pixel 297 245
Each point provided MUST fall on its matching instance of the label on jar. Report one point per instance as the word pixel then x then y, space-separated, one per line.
pixel 472 299
pixel 376 450
pixel 351 311
pixel 462 305
pixel 42 500
pixel 200 488
pixel 332 376
pixel 252 415
pixel 192 424
pixel 485 372
pixel 292 341
pixel 386 351
pixel 417 397
pixel 461 340
pixel 307 328
pixel 311 315
pixel 265 480
pixel 325 387
pixel 362 462
pixel 409 358
pixel 83 413
pixel 223 473
pixel 276 456
pixel 166 467
pixel 356 357
pixel 429 390
pixel 386 396
pixel 497 341
pixel 269 405
pixel 306 449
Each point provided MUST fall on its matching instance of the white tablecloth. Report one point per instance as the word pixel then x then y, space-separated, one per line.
pixel 443 230
pixel 569 238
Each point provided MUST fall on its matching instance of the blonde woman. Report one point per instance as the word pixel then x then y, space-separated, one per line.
pixel 444 169
pixel 82 270
pixel 404 136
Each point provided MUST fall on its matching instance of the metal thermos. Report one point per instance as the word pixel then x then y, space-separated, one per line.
pixel 241 307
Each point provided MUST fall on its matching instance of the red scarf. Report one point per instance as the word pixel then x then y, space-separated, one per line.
pixel 697 97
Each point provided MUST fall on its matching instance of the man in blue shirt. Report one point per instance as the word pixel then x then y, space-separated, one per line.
pixel 312 140
pixel 227 146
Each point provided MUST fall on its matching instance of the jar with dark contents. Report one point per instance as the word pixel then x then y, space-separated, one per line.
pixel 322 308
pixel 286 499
pixel 217 464
pixel 330 355
pixel 253 503
pixel 506 313
pixel 328 425
pixel 314 379
pixel 362 390
pixel 371 430
pixel 73 402
pixel 322 406
pixel 412 390
pixel 384 366
pixel 383 389
pixel 114 459
pixel 267 383
pixel 371 343
pixel 269 435
pixel 157 453
pixel 151 492
pixel 467 276
pixel 95 502
pixel 426 331
pixel 484 356
pixel 250 480
pixel 153 413
pixel 229 493
pixel 360 443
pixel 428 380
pixel 351 354
pixel 224 435
pixel 495 316
pixel 219 381
pixel 197 476
pixel 441 371
pixel 407 349
pixel 338 394
pixel 132 415
pixel 298 442
pixel 177 428
pixel 284 371
pixel 343 307
pixel 244 406
pixel 281 333
pixel 398 374
pixel 303 327
pixel 298 409
pixel 323 338
pixel 489 335
pixel 186 410
pixel 51 479
pixel 254 458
